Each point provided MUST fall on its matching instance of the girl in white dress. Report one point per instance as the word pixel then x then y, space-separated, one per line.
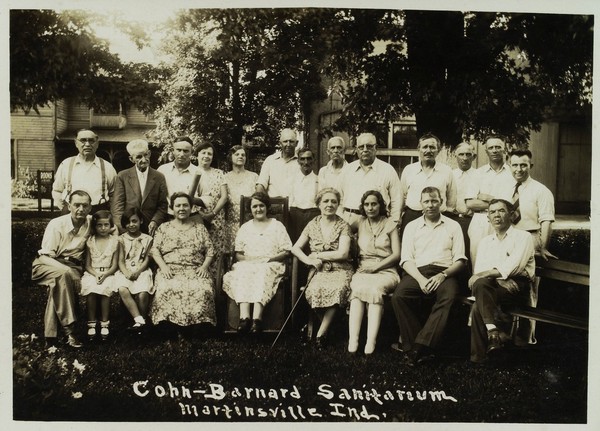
pixel 101 262
pixel 134 278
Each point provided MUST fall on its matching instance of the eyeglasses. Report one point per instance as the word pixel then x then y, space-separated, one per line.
pixel 365 147
pixel 87 140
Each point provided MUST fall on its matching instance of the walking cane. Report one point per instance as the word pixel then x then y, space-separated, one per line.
pixel 310 276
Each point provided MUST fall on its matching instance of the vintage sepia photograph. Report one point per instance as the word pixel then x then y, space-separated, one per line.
pixel 300 213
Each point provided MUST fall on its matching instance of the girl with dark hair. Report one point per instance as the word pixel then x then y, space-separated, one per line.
pixel 97 283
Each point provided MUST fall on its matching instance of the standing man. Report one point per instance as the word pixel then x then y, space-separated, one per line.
pixel 59 266
pixel 426 173
pixel 433 255
pixel 278 169
pixel 302 195
pixel 494 181
pixel 503 273
pixel 141 187
pixel 86 172
pixel 464 176
pixel 180 173
pixel 368 173
pixel 329 174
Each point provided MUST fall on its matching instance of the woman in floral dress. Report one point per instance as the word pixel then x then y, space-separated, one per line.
pixel 261 245
pixel 213 193
pixel 329 239
pixel 183 252
pixel 240 182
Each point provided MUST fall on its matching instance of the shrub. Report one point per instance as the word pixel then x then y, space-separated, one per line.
pixel 26 187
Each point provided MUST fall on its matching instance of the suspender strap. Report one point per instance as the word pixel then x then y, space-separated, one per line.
pixel 102 170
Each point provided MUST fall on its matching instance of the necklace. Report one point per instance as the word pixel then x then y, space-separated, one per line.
pixel 376 228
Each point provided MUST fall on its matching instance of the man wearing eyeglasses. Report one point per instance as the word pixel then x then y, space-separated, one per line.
pixel 367 173
pixel 427 172
pixel 141 187
pixel 278 169
pixel 86 172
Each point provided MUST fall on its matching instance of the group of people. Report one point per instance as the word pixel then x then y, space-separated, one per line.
pixel 362 231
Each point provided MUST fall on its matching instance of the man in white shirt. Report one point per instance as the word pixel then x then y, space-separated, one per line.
pixel 427 172
pixel 305 185
pixel 278 169
pixel 329 174
pixel 367 173
pixel 432 256
pixel 86 172
pixel 180 173
pixel 141 187
pixel 464 175
pixel 503 273
pixel 494 181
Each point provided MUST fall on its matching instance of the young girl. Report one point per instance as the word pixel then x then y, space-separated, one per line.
pixel 134 280
pixel 101 262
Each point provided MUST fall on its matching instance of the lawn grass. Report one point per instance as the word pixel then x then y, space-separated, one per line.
pixel 546 383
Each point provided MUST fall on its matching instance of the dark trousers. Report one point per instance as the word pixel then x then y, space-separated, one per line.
pixel 464 223
pixel 489 295
pixel 408 216
pixel 404 301
pixel 299 218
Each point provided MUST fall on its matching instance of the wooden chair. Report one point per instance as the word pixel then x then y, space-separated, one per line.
pixel 276 311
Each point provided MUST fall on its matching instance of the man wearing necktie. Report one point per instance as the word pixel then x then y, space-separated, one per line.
pixel 141 187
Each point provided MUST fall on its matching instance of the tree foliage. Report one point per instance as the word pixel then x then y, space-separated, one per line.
pixel 56 55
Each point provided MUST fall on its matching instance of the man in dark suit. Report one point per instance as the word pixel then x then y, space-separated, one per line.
pixel 141 187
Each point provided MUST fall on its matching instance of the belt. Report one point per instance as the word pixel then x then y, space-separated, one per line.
pixel 350 210
pixel 533 231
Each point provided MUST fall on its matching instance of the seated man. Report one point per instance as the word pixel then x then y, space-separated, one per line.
pixel 432 255
pixel 503 272
pixel 60 265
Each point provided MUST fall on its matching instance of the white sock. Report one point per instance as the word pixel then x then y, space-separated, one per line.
pixel 140 320
pixel 490 326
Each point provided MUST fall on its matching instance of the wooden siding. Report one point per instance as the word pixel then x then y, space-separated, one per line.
pixel 35 154
pixel 78 116
pixel 544 147
pixel 32 126
pixel 62 114
pixel 574 180
pixel 135 117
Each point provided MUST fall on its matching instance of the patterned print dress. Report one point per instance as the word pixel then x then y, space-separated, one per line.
pixel 238 185
pixel 330 286
pixel 374 245
pixel 256 280
pixel 210 189
pixel 185 299
pixel 101 261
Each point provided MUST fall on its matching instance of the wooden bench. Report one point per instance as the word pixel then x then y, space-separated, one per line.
pixel 556 270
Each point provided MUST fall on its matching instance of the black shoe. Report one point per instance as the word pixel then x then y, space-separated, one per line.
pixel 256 326
pixel 73 342
pixel 244 326
pixel 494 340
pixel 51 342
pixel 321 342
pixel 419 355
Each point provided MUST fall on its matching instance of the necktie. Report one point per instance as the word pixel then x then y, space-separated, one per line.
pixel 517 212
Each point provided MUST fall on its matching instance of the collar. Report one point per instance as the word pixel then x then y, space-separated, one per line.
pixel 372 166
pixel 504 167
pixel 508 232
pixel 278 155
pixel 330 164
pixel 71 226
pixel 174 168
pixel 435 166
pixel 439 222
pixel 80 159
pixel 138 172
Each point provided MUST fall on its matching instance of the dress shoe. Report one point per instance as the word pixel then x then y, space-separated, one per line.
pixel 494 341
pixel 256 326
pixel 244 326
pixel 321 342
pixel 73 342
pixel 419 355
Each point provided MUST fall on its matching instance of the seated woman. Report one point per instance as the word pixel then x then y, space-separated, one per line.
pixel 183 252
pixel 261 245
pixel 379 252
pixel 329 239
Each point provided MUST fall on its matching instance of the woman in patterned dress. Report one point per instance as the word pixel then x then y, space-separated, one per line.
pixel 240 182
pixel 261 245
pixel 329 239
pixel 379 251
pixel 213 193
pixel 183 252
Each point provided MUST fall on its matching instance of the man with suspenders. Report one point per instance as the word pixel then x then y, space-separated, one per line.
pixel 87 172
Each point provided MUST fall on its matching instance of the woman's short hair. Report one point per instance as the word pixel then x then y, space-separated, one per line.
pixel 324 191
pixel 204 146
pixel 382 204
pixel 234 150
pixel 262 197
pixel 179 195
pixel 130 212
pixel 101 214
